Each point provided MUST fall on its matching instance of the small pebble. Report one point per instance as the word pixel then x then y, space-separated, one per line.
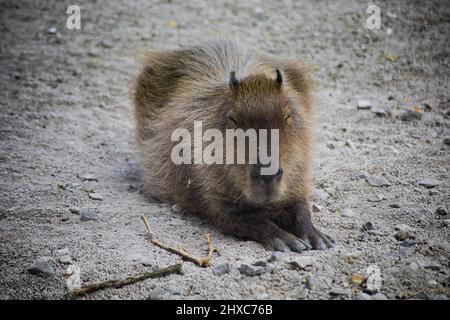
pixel 106 44
pixel 405 251
pixel 443 245
pixel 299 295
pixel 379 296
pixel 222 269
pixel 442 211
pixel 89 177
pixel 349 144
pixel 367 226
pixel 348 213
pixel 42 266
pixel 316 208
pixel 310 282
pixel 363 296
pixel 380 112
pixel 351 256
pixel 65 259
pixel 431 104
pixel 421 296
pixel 360 175
pixel 390 150
pixel 62 252
pixel 95 196
pixel 433 192
pixel 439 297
pixel 74 279
pixel 403 232
pixel 402 235
pixel 410 242
pixel 363 104
pixel 377 233
pixel 343 186
pixel 413 266
pixel 155 294
pixel 89 215
pixel 69 185
pixel 173 289
pixel 433 283
pixel 147 262
pixel 302 263
pixel 447 140
pixel 260 264
pixel 409 115
pixel 51 30
pixel 376 198
pixel 375 181
pixel 273 257
pixel 429 183
pixel 431 266
pixel 340 292
pixel 320 194
pixel 74 210
pixel 373 282
pixel 252 271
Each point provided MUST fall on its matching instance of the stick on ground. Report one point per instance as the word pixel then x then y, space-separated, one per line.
pixel 176 268
pixel 202 262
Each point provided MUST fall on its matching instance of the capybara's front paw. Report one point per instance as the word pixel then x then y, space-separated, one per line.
pixel 297 220
pixel 316 239
pixel 256 228
pixel 284 241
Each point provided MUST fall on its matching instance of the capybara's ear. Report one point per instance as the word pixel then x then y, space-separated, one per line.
pixel 298 75
pixel 234 82
pixel 279 79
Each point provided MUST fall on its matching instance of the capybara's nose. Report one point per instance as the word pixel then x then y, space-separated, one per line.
pixel 267 178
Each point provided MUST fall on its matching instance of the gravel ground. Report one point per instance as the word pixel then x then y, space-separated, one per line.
pixel 66 140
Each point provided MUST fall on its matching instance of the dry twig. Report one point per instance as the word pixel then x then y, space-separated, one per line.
pixel 176 268
pixel 413 294
pixel 202 262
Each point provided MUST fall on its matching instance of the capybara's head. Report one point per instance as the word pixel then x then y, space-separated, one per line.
pixel 259 102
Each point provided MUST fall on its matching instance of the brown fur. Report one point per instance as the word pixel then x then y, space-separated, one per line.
pixel 180 86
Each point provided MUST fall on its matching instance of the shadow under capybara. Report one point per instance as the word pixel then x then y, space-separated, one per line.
pixel 227 86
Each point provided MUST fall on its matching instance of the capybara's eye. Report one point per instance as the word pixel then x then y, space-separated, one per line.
pixel 231 118
pixel 287 117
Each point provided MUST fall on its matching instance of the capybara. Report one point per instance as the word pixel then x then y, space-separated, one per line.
pixel 228 86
